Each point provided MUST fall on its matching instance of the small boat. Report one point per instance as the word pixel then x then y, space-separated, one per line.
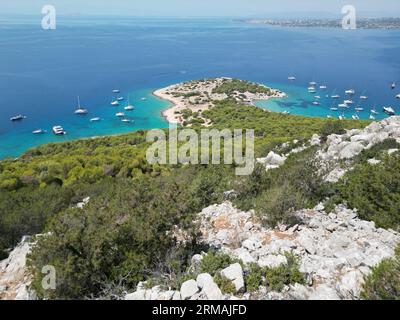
pixel 372 117
pixel 393 86
pixel 323 87
pixel 120 98
pixel 144 99
pixel 312 90
pixel 313 83
pixel 342 117
pixel 286 112
pixel 116 91
pixel 316 103
pixel 373 111
pixel 59 131
pixel 355 117
pixel 292 78
pixel 39 131
pixel 317 97
pixel 95 119
pixel 350 92
pixel 343 105
pixel 120 114
pixel 398 96
pixel 359 109
pixel 348 102
pixel 334 109
pixel 363 97
pixel 115 103
pixel 389 110
pixel 79 109
pixel 18 118
pixel 127 120
pixel 335 96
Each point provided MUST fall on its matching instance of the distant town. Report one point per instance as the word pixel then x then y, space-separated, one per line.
pixel 362 23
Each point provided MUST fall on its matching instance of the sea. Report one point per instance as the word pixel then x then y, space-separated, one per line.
pixel 42 72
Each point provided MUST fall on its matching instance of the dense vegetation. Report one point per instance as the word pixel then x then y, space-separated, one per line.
pixel 231 86
pixel 384 281
pixel 125 234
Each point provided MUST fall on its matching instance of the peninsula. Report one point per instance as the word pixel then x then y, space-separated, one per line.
pixel 194 97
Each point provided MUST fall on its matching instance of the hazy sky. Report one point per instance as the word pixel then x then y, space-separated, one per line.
pixel 199 7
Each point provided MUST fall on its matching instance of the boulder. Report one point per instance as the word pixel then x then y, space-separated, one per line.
pixel 315 140
pixel 272 261
pixel 350 285
pixel 209 287
pixel 324 292
pixel 351 150
pixel 235 273
pixel 188 289
pixel 274 159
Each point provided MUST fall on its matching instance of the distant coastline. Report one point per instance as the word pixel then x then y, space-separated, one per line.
pixel 362 23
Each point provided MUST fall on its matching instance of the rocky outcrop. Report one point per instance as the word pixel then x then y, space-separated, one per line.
pixel 347 146
pixel 14 277
pixel 336 250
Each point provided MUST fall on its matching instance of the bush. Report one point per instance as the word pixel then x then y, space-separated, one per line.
pixel 224 284
pixel 285 274
pixel 332 127
pixel 214 262
pixel 384 281
pixel 254 277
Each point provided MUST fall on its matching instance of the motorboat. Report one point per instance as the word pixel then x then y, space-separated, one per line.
pixel 348 102
pixel 39 131
pixel 115 103
pixel 120 114
pixel 398 96
pixel 96 119
pixel 59 131
pixel 359 109
pixel 393 86
pixel 389 110
pixel 316 103
pixel 343 105
pixel 363 97
pixel 323 87
pixel 116 91
pixel 312 90
pixel 292 78
pixel 18 118
pixel 120 98
pixel 350 92
pixel 334 109
pixel 317 97
pixel 126 120
pixel 335 96
pixel 313 83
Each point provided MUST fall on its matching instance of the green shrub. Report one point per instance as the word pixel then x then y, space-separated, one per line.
pixel 332 127
pixel 384 281
pixel 254 277
pixel 213 262
pixel 285 274
pixel 224 284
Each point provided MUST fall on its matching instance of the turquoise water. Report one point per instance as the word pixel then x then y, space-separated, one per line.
pixel 42 72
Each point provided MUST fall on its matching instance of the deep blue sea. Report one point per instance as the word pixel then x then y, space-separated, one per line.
pixel 42 72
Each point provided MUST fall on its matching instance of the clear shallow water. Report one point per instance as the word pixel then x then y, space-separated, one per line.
pixel 42 72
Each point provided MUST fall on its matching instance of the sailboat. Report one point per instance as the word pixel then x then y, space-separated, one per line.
pixel 129 107
pixel 373 111
pixel 39 131
pixel 80 110
pixel 393 86
pixel 96 119
pixel 350 92
pixel 355 117
pixel 342 117
pixel 292 78
pixel 398 96
pixel 389 110
pixel 116 91
pixel 372 117
pixel 18 118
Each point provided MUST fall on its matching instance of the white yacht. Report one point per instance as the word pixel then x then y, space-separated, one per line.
pixel 115 103
pixel 372 117
pixel 96 119
pixel 18 118
pixel 363 97
pixel 335 96
pixel 373 111
pixel 286 112
pixel 116 91
pixel 120 98
pixel 292 78
pixel 348 102
pixel 59 131
pixel 39 131
pixel 393 86
pixel 343 105
pixel 350 92
pixel 323 87
pixel 317 97
pixel 312 90
pixel 120 114
pixel 342 117
pixel 126 120
pixel 359 109
pixel 355 117
pixel 316 103
pixel 144 99
pixel 334 109
pixel 79 109
pixel 313 83
pixel 389 110
pixel 398 96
